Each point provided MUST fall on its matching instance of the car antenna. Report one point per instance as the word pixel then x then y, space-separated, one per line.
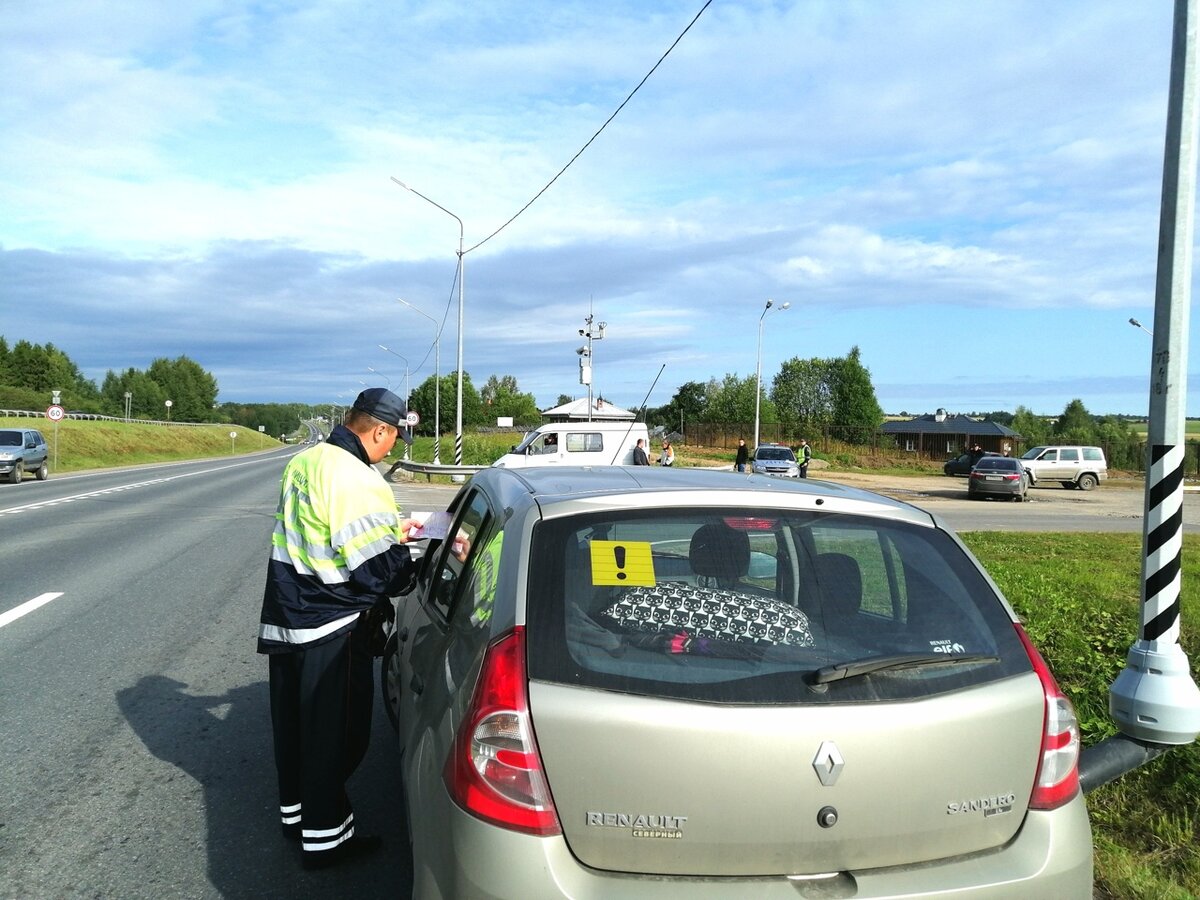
pixel 641 412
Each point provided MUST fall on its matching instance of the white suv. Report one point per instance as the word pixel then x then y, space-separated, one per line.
pixel 1081 467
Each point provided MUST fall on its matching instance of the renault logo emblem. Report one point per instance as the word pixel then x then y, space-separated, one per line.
pixel 828 763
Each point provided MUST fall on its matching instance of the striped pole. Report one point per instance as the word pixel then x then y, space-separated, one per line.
pixel 1154 698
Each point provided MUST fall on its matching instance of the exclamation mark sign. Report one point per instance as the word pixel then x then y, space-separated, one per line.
pixel 619 553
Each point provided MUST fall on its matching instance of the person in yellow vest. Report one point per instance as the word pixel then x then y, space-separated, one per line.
pixel 337 553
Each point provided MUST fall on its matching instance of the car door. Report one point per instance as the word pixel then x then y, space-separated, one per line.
pixel 437 647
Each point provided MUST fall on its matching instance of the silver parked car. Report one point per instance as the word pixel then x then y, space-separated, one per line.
pixel 1072 467
pixel 998 476
pixel 775 459
pixel 636 683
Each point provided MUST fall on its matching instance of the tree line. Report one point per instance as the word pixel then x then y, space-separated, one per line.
pixel 805 395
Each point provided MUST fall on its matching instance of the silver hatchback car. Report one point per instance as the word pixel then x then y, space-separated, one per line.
pixel 636 683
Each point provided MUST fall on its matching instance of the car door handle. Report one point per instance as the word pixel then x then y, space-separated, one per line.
pixel 416 684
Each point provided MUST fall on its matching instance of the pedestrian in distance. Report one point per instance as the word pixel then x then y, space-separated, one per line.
pixel 639 454
pixel 337 557
pixel 805 457
pixel 668 455
pixel 743 456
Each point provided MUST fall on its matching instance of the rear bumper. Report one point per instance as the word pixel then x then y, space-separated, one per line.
pixel 1051 856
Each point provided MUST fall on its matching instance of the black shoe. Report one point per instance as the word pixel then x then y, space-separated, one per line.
pixel 355 848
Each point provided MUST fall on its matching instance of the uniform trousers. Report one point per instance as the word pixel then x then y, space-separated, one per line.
pixel 321 699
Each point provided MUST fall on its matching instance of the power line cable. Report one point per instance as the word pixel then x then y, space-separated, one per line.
pixel 597 134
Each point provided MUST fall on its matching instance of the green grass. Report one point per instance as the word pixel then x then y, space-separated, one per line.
pixel 78 444
pixel 1078 595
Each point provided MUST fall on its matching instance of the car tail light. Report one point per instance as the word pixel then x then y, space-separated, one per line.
pixel 494 770
pixel 1058 769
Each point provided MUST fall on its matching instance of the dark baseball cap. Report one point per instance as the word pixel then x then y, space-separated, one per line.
pixel 382 404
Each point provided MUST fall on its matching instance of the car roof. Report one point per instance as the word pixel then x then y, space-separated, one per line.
pixel 662 486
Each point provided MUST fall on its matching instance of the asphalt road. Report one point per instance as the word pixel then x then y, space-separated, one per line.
pixel 135 748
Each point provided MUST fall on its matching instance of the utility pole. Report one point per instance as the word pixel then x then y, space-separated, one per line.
pixel 1154 698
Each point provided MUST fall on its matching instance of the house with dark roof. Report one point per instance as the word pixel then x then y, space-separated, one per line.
pixel 940 435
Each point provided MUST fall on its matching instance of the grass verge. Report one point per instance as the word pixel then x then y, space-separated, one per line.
pixel 1078 595
pixel 79 444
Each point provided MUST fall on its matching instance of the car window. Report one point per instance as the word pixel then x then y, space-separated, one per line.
pixel 996 463
pixel 448 572
pixel 10 439
pixel 1093 454
pixel 1050 456
pixel 775 453
pixel 743 606
pixel 585 442
pixel 1069 455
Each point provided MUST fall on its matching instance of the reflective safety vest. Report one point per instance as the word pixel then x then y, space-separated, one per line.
pixel 335 513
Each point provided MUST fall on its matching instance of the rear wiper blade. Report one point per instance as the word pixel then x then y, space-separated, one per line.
pixel 856 667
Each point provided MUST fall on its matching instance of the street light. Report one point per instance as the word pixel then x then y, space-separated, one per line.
pixel 458 432
pixel 405 358
pixel 1136 324
pixel 437 382
pixel 758 370
pixel 381 375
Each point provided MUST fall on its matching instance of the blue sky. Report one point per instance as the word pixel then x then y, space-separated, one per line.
pixel 968 192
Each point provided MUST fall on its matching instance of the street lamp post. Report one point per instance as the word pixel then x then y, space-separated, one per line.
pixel 375 371
pixel 405 358
pixel 458 431
pixel 437 382
pixel 758 368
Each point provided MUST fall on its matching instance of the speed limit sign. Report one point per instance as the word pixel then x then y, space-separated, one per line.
pixel 55 413
pixel 412 419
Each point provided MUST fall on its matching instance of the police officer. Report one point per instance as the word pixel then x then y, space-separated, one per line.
pixel 337 552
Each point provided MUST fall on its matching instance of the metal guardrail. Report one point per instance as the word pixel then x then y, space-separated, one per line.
pixel 34 414
pixel 417 468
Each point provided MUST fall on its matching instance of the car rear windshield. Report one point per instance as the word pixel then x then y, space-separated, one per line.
pixel 749 606
pixel 999 463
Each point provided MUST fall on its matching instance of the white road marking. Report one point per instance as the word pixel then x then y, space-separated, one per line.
pixel 27 607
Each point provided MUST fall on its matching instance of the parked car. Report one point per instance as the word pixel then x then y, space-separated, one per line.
pixel 964 463
pixel 998 476
pixel 23 450
pixel 775 459
pixel 645 683
pixel 1081 467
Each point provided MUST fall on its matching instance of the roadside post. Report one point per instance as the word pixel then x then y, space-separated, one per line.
pixel 1154 700
pixel 232 442
pixel 55 414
